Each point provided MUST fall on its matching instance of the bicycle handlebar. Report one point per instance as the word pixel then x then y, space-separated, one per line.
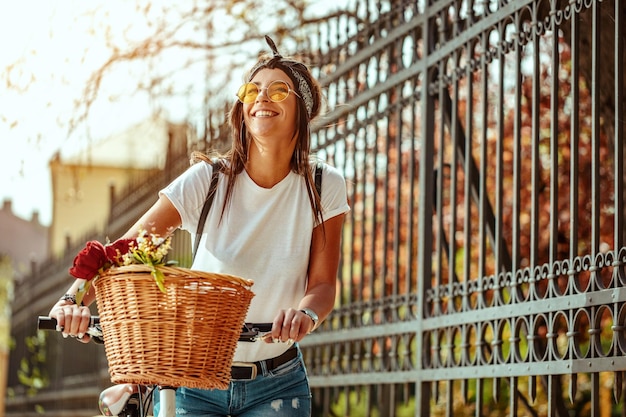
pixel 250 332
pixel 50 323
pixel 94 330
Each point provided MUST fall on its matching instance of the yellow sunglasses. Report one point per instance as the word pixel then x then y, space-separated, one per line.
pixel 277 91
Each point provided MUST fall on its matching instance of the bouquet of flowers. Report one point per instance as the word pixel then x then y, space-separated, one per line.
pixel 95 258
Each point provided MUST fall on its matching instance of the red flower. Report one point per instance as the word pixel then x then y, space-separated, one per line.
pixel 117 249
pixel 89 261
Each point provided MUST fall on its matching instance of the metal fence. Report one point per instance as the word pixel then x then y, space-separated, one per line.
pixel 483 258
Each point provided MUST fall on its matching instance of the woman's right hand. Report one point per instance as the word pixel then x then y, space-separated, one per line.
pixel 72 319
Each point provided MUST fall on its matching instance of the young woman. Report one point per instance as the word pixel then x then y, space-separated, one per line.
pixel 268 224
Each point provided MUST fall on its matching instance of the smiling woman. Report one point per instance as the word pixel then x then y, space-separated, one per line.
pixel 270 223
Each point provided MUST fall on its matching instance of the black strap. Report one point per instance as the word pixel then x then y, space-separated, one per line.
pixel 211 194
pixel 318 178
pixel 205 209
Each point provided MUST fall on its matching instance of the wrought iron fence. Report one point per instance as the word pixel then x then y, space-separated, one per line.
pixel 483 258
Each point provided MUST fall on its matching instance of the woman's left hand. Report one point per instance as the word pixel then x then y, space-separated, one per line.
pixel 290 326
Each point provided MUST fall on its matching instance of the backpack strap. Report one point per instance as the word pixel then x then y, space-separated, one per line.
pixel 206 207
pixel 318 178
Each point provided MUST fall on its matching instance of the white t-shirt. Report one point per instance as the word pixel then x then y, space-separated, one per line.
pixel 264 235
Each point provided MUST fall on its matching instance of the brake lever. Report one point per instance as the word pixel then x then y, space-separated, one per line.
pixel 252 332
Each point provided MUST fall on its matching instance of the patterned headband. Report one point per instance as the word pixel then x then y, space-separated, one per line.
pixel 304 90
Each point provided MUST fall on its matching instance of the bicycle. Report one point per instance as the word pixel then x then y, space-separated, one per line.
pixel 134 400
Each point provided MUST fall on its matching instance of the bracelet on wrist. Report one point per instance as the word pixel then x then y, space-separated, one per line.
pixel 313 316
pixel 71 298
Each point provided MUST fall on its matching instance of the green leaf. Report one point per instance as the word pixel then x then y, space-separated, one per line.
pixel 159 277
pixel 82 290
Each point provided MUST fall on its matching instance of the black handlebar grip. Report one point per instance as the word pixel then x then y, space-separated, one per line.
pixel 50 323
pixel 46 323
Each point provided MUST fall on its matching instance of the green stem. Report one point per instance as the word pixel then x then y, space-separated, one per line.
pixel 82 290
pixel 159 278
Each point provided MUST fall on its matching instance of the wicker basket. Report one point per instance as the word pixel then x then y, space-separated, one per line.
pixel 184 337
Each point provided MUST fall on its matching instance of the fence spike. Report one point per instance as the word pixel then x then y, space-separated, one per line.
pixel 496 389
pixel 479 393
pixel 465 390
pixel 617 386
pixel 532 388
pixel 573 387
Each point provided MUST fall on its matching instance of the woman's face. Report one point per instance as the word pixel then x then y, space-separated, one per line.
pixel 266 119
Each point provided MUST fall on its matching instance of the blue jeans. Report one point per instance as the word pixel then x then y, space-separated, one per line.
pixel 282 392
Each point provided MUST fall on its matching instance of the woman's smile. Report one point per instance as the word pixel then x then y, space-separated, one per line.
pixel 264 113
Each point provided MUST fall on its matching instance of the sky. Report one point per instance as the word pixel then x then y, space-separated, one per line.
pixel 49 50
pixel 47 57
